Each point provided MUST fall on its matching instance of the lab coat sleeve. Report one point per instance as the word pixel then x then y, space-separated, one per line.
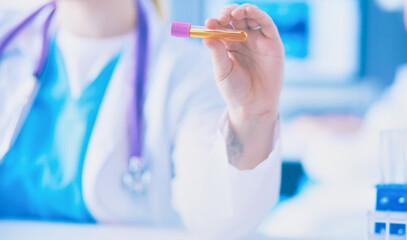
pixel 214 199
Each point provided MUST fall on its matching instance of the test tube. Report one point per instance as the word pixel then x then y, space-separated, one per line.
pixel 186 30
pixel 393 163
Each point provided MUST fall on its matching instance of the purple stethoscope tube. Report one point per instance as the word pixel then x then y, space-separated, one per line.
pixel 8 37
pixel 137 177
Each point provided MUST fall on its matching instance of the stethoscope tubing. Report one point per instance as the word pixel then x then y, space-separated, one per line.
pixel 8 37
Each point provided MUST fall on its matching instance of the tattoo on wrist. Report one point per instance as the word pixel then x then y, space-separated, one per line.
pixel 234 146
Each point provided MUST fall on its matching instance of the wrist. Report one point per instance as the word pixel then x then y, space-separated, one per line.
pixel 251 128
pixel 241 117
pixel 250 138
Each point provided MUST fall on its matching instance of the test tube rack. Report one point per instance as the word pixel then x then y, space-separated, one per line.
pixel 389 220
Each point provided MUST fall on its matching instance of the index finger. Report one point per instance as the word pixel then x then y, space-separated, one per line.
pixel 268 28
pixel 225 17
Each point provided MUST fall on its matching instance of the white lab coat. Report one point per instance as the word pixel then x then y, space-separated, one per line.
pixel 184 118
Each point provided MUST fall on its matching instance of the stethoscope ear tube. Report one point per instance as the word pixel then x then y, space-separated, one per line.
pixel 45 44
pixel 5 41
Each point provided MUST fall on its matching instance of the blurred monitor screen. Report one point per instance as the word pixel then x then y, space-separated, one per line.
pixel 321 37
pixel 292 19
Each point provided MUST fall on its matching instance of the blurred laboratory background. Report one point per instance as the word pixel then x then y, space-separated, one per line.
pixel 342 57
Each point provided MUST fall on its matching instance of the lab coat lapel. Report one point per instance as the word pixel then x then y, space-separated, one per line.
pixel 16 70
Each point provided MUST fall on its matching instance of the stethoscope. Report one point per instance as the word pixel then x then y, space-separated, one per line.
pixel 137 177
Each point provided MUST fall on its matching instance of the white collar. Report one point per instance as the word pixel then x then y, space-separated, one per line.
pixel 85 58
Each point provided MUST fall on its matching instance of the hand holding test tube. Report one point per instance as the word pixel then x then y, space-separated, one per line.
pixel 249 75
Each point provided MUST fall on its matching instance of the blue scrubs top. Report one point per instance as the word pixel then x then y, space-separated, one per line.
pixel 40 177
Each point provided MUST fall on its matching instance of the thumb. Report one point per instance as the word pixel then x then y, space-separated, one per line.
pixel 221 62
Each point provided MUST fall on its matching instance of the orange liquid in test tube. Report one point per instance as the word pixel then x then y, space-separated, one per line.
pixel 187 30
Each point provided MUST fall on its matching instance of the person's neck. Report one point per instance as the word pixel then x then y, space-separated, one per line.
pixel 97 18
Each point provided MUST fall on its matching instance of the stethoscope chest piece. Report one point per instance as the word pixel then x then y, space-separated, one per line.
pixel 137 178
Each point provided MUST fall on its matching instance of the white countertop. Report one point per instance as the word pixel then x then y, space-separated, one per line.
pixel 29 230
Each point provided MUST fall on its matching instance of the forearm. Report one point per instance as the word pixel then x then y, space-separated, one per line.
pixel 214 198
pixel 249 138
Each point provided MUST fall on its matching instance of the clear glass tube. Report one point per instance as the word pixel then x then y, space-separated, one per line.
pixel 393 165
pixel 227 35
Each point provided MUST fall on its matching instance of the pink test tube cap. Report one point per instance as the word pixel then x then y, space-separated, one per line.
pixel 180 29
